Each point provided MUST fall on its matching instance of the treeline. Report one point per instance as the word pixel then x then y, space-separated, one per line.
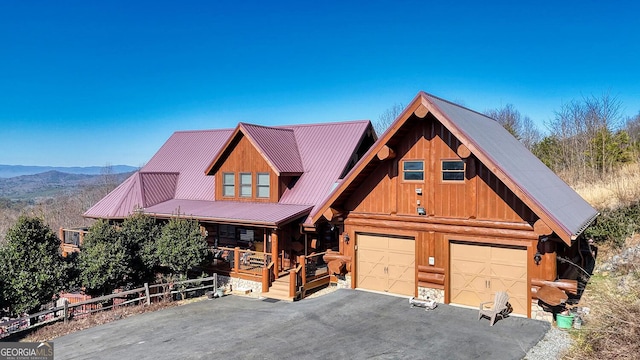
pixel 587 138
pixel 140 249
pixel 62 210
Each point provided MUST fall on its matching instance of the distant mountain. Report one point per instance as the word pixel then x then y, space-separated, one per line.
pixel 53 183
pixel 8 171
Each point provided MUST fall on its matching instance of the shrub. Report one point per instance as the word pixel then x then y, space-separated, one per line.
pixel 32 269
pixel 139 234
pixel 181 246
pixel 616 225
pixel 105 261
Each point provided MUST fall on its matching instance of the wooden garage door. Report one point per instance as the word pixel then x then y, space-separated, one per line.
pixel 386 263
pixel 478 271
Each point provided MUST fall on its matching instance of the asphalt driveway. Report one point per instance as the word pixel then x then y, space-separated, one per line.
pixel 345 324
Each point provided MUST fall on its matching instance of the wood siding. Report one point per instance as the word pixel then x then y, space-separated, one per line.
pixel 479 196
pixel 245 158
pixel 479 209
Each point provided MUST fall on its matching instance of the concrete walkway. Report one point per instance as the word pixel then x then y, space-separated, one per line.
pixel 346 324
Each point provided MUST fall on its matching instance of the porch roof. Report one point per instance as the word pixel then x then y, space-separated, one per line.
pixel 231 212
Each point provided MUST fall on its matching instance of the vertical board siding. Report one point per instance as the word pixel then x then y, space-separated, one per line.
pixel 481 194
pixel 244 157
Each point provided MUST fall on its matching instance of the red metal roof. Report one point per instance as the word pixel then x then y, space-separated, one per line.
pixel 158 187
pixel 121 202
pixel 188 153
pixel 175 176
pixel 266 214
pixel 278 146
pixel 325 150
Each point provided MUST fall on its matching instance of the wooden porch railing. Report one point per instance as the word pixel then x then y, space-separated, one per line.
pixel 311 272
pixel 242 261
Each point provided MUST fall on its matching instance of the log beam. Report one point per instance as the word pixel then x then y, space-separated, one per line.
pixel 431 278
pixel 463 151
pixel 386 153
pixel 570 286
pixel 541 228
pixel 421 111
pixel 337 267
pixel 469 230
pixel 523 226
pixel 331 213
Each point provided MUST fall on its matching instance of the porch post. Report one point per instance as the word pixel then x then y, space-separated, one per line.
pixel 275 253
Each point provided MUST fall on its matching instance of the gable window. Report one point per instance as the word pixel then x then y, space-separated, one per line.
pixel 263 185
pixel 245 185
pixel 413 170
pixel 453 170
pixel 229 184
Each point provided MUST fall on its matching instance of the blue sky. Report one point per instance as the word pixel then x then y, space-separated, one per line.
pixel 91 83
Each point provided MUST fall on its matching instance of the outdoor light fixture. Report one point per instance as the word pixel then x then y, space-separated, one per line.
pixel 346 238
pixel 537 258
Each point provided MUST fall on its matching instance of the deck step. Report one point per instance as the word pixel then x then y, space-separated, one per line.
pixel 279 289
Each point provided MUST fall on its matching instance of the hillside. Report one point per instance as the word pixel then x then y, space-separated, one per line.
pixel 8 171
pixel 52 183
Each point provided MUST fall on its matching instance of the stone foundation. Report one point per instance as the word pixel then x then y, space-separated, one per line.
pixel 230 283
pixel 344 281
pixel 425 293
pixel 539 314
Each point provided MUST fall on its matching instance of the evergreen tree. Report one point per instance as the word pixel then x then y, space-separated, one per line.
pixel 181 246
pixel 32 269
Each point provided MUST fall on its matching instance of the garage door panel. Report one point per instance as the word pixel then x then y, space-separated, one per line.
pixel 386 263
pixel 402 245
pixel 477 271
pixel 507 255
pixel 467 297
pixel 373 242
pixel 401 286
pixel 508 271
pixel 465 252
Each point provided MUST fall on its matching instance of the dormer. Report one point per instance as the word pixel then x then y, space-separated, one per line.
pixel 257 163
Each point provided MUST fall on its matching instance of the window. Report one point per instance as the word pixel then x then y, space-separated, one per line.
pixel 245 184
pixel 229 184
pixel 263 185
pixel 413 170
pixel 453 170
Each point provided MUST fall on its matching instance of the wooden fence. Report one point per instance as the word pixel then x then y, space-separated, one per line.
pixel 141 296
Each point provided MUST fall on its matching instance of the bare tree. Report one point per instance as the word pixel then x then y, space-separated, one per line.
pixel 508 117
pixel 109 178
pixel 530 135
pixel 387 118
pixel 586 132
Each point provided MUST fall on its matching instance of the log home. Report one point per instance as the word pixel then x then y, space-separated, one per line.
pixel 250 188
pixel 449 205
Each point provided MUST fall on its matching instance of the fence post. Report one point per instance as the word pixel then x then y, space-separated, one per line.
pixel 66 310
pixel 146 293
pixel 215 281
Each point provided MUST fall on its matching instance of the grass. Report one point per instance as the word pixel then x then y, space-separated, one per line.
pixel 612 328
pixel 614 190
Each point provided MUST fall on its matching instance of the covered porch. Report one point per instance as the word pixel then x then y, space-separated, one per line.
pixel 262 245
